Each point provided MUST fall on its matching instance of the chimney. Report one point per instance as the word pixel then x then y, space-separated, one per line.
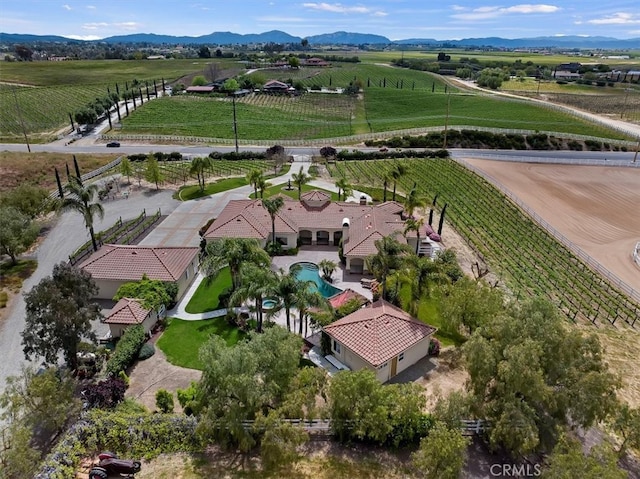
pixel 345 229
pixel 363 200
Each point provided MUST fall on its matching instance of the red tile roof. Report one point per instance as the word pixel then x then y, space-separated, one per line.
pixel 345 296
pixel 130 263
pixel 378 332
pixel 127 311
pixel 249 219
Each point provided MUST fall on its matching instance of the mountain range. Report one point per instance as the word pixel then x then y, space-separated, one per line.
pixel 340 38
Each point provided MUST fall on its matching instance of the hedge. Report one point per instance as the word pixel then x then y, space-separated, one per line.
pixel 127 349
pixel 134 436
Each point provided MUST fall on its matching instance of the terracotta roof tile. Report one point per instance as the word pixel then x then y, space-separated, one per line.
pixel 378 332
pixel 130 263
pixel 127 311
pixel 345 296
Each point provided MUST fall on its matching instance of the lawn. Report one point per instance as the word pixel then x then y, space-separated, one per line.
pixel 182 340
pixel 192 192
pixel 281 189
pixel 207 295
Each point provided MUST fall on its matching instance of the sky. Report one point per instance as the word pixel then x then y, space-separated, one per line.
pixel 395 19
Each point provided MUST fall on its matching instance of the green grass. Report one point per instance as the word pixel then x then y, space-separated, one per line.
pixel 182 340
pixel 281 189
pixel 13 275
pixel 192 192
pixel 206 296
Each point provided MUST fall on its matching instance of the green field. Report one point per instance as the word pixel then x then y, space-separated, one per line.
pixel 393 99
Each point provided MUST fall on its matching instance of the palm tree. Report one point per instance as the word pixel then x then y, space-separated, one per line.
pixel 306 298
pixel 397 172
pixel 262 185
pixel 414 225
pixel 327 267
pixel 258 283
pixel 424 271
pixel 386 177
pixel 198 165
pixel 413 200
pixel 254 177
pixel 288 290
pixel 232 252
pixel 80 199
pixel 343 186
pixel 386 260
pixel 300 179
pixel 273 205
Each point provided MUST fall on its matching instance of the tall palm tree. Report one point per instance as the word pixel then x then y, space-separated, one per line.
pixel 413 200
pixel 80 198
pixel 273 205
pixel 414 225
pixel 343 187
pixel 288 289
pixel 198 165
pixel 232 252
pixel 424 271
pixel 397 172
pixel 327 267
pixel 258 283
pixel 386 260
pixel 386 178
pixel 306 298
pixel 254 177
pixel 262 185
pixel 300 179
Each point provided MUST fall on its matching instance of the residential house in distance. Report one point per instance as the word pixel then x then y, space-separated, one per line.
pixel 204 90
pixel 379 337
pixel 316 220
pixel 129 312
pixel 316 62
pixel 275 86
pixel 113 265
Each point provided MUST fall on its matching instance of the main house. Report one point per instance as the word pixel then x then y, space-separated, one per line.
pixel 316 220
pixel 113 265
pixel 379 337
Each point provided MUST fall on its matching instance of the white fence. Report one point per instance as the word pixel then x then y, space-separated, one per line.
pixel 613 279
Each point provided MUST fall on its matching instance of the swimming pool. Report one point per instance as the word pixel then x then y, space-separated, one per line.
pixel 311 272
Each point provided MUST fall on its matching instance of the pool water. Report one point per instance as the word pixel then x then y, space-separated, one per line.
pixel 269 303
pixel 311 272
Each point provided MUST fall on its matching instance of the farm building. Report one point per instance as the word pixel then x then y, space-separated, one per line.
pixel 200 89
pixel 275 86
pixel 113 265
pixel 316 220
pixel 379 337
pixel 129 312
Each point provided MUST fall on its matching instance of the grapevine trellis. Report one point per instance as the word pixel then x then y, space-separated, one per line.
pixel 527 257
pixel 177 172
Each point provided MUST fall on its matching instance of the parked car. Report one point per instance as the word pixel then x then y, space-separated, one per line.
pixel 113 144
pixel 110 465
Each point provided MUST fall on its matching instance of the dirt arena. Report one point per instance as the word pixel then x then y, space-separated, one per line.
pixel 597 208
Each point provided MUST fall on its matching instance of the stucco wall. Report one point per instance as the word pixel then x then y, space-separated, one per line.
pixel 118 329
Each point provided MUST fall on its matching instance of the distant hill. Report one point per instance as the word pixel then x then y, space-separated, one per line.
pixel 341 38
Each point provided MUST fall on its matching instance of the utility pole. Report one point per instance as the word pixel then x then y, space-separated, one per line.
pixel 235 122
pixel 24 130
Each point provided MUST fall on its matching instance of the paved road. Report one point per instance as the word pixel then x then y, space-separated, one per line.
pixel 67 233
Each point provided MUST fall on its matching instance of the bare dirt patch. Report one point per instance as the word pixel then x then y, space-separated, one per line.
pixel 597 209
pixel 155 373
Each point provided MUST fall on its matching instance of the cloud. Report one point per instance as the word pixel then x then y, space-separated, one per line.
pixel 129 26
pixel 87 38
pixel 339 8
pixel 66 7
pixel 619 18
pixel 485 13
pixel 94 25
pixel 91 7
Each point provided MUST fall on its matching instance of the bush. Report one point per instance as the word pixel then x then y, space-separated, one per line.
pixel 164 401
pixel 126 350
pixel 187 398
pixel 434 347
pixel 146 351
pixel 105 394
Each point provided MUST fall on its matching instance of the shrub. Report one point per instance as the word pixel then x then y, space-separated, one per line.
pixel 164 401
pixel 187 398
pixel 105 394
pixel 434 347
pixel 122 375
pixel 146 351
pixel 126 350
